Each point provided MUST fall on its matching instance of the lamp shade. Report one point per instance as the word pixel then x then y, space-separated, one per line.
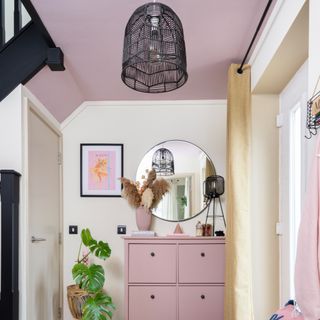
pixel 154 54
pixel 162 162
pixel 214 186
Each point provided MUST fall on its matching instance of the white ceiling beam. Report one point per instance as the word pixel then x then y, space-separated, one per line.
pixel 278 25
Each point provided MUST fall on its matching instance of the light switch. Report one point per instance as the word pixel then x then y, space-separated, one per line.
pixel 122 229
pixel 73 229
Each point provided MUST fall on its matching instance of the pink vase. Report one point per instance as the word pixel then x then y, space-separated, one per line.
pixel 143 218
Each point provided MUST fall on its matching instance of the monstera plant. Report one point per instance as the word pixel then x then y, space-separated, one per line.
pixel 88 295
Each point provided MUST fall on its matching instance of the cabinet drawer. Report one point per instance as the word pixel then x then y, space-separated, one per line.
pixel 152 263
pixel 201 302
pixel 201 263
pixel 152 303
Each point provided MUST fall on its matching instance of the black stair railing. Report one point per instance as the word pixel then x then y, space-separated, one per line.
pixel 17 17
pixel 10 20
pixel 26 48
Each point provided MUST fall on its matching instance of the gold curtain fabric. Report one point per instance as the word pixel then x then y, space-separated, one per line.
pixel 238 286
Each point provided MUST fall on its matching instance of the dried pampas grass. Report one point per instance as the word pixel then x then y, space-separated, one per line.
pixel 131 193
pixel 147 198
pixel 152 175
pixel 159 188
pixel 150 193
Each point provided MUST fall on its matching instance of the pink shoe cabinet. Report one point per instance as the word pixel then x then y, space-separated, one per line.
pixel 174 278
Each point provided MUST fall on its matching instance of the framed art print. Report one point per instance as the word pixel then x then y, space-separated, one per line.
pixel 101 166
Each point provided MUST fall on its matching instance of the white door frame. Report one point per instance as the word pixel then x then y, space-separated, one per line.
pixel 31 103
pixel 293 96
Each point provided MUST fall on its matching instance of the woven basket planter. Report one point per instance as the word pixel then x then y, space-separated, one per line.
pixel 76 299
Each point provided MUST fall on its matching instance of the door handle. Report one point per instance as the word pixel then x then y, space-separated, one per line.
pixel 34 239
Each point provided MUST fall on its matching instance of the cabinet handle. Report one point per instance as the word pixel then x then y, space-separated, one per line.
pixel 203 296
pixel 203 254
pixel 152 254
pixel 152 296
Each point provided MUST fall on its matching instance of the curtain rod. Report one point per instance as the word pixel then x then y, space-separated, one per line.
pixel 255 35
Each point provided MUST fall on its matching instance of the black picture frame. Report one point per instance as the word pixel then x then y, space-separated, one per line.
pixel 101 167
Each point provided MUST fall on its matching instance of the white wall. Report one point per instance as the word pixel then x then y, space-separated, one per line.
pixel 11 131
pixel 138 126
pixel 264 205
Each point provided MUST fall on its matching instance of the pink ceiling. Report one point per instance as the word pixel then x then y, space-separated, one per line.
pixel 90 33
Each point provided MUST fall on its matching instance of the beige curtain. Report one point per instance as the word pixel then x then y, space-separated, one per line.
pixel 238 287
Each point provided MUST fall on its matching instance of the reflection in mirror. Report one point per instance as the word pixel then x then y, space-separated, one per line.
pixel 191 167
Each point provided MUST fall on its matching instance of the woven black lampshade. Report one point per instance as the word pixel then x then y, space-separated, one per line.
pixel 154 54
pixel 162 162
pixel 213 186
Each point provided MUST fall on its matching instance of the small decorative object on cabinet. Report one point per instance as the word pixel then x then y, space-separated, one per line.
pixel 178 229
pixel 199 229
pixel 207 230
pixel 143 218
pixel 174 278
pixel 86 299
pixel 144 197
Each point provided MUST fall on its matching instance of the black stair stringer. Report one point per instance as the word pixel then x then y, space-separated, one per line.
pixel 21 58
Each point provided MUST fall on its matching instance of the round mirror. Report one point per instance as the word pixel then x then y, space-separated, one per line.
pixel 186 167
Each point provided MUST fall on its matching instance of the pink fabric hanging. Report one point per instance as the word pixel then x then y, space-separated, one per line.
pixel 307 272
pixel 287 313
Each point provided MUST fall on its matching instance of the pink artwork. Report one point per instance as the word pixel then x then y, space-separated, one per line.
pixel 101 168
pixel 101 173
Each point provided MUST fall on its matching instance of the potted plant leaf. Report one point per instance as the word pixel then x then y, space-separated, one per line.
pixel 86 299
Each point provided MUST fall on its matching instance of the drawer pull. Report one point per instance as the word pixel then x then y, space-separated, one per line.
pixel 152 296
pixel 203 296
pixel 203 254
pixel 152 254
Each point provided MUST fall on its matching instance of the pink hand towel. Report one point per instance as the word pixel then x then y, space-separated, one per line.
pixel 287 313
pixel 307 269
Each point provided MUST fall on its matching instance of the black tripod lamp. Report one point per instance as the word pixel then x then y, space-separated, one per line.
pixel 213 188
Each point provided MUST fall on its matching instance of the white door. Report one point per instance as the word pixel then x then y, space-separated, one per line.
pixel 43 292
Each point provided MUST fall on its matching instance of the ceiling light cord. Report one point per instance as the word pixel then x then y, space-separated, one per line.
pixel 240 70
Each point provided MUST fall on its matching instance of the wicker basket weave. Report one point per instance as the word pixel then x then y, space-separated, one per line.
pixel 76 299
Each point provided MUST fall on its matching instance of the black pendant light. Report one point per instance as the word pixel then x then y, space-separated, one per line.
pixel 163 163
pixel 154 54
